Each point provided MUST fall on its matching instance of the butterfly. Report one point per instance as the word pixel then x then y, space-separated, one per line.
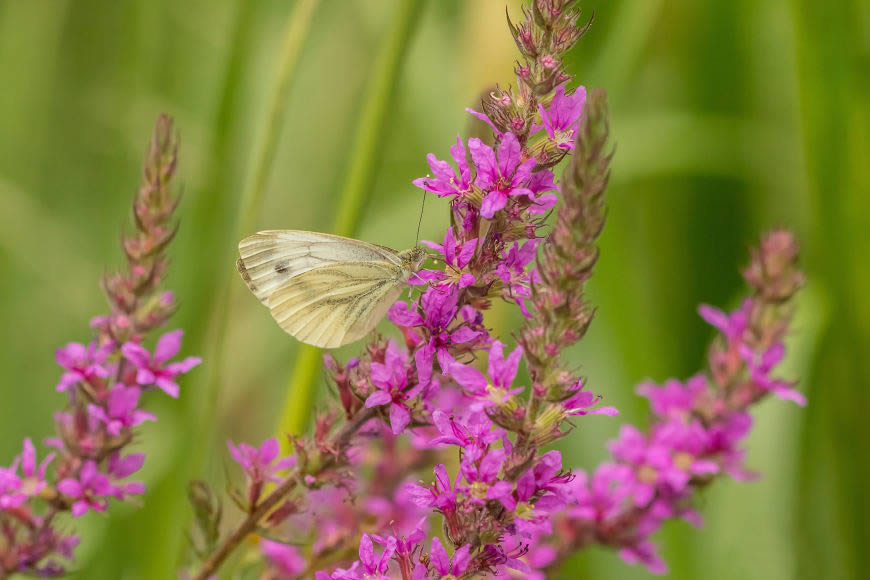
pixel 325 290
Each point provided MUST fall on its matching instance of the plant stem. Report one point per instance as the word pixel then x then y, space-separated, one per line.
pixel 355 193
pixel 249 524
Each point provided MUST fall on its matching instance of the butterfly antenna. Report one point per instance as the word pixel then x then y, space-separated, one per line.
pixel 420 223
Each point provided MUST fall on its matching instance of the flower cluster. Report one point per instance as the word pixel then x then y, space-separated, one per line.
pixel 102 382
pixel 698 424
pixel 496 502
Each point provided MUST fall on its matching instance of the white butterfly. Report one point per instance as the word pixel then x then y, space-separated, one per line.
pixel 324 290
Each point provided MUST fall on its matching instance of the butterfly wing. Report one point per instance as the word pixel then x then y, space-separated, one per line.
pixel 333 305
pixel 270 258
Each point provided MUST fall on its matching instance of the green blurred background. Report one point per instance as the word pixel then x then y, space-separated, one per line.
pixel 729 118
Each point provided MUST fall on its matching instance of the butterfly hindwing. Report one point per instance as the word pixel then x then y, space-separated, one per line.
pixel 334 304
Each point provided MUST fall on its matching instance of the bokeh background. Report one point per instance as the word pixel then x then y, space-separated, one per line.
pixel 729 118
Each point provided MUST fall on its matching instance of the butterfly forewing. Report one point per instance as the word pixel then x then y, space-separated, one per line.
pixel 324 290
pixel 269 258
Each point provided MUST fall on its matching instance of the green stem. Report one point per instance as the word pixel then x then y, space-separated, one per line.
pixel 356 191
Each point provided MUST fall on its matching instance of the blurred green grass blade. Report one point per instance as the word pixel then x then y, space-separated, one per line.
pixel 251 203
pixel 832 533
pixel 357 190
pixel 162 557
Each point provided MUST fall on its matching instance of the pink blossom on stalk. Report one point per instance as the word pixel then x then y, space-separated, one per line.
pixel 674 399
pixel 153 370
pixel 723 439
pixel 561 119
pixel 602 496
pixel 15 490
pixel 375 568
pixel 447 181
pixel 760 365
pixel 445 566
pixel 260 464
pixel 122 467
pixel 511 270
pixel 646 553
pixel 405 547
pixel 391 380
pixel 82 363
pixel 86 489
pixel 481 473
pixel 440 494
pixel 501 176
pixel 456 257
pixel 121 410
pixel 439 306
pixel 284 558
pixel 474 435
pixel 502 372
pixel 733 324
pixel 580 402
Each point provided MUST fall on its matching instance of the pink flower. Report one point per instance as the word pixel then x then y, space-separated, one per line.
pixel 501 176
pixel 391 380
pixel 674 399
pixel 562 118
pixel 473 435
pixel 87 489
pixel 284 558
pixel 456 257
pixel 260 464
pixel 603 496
pixel 441 494
pixel 645 553
pixel 123 467
pixel 120 411
pixel 153 370
pixel 760 366
pixel 733 324
pixel 447 181
pixel 502 372
pixel 580 402
pixel 446 567
pixel 375 567
pixel 82 363
pixel 15 490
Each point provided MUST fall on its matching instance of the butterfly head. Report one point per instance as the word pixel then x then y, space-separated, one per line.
pixel 413 258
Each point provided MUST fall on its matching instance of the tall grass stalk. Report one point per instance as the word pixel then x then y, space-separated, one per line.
pixel 355 193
